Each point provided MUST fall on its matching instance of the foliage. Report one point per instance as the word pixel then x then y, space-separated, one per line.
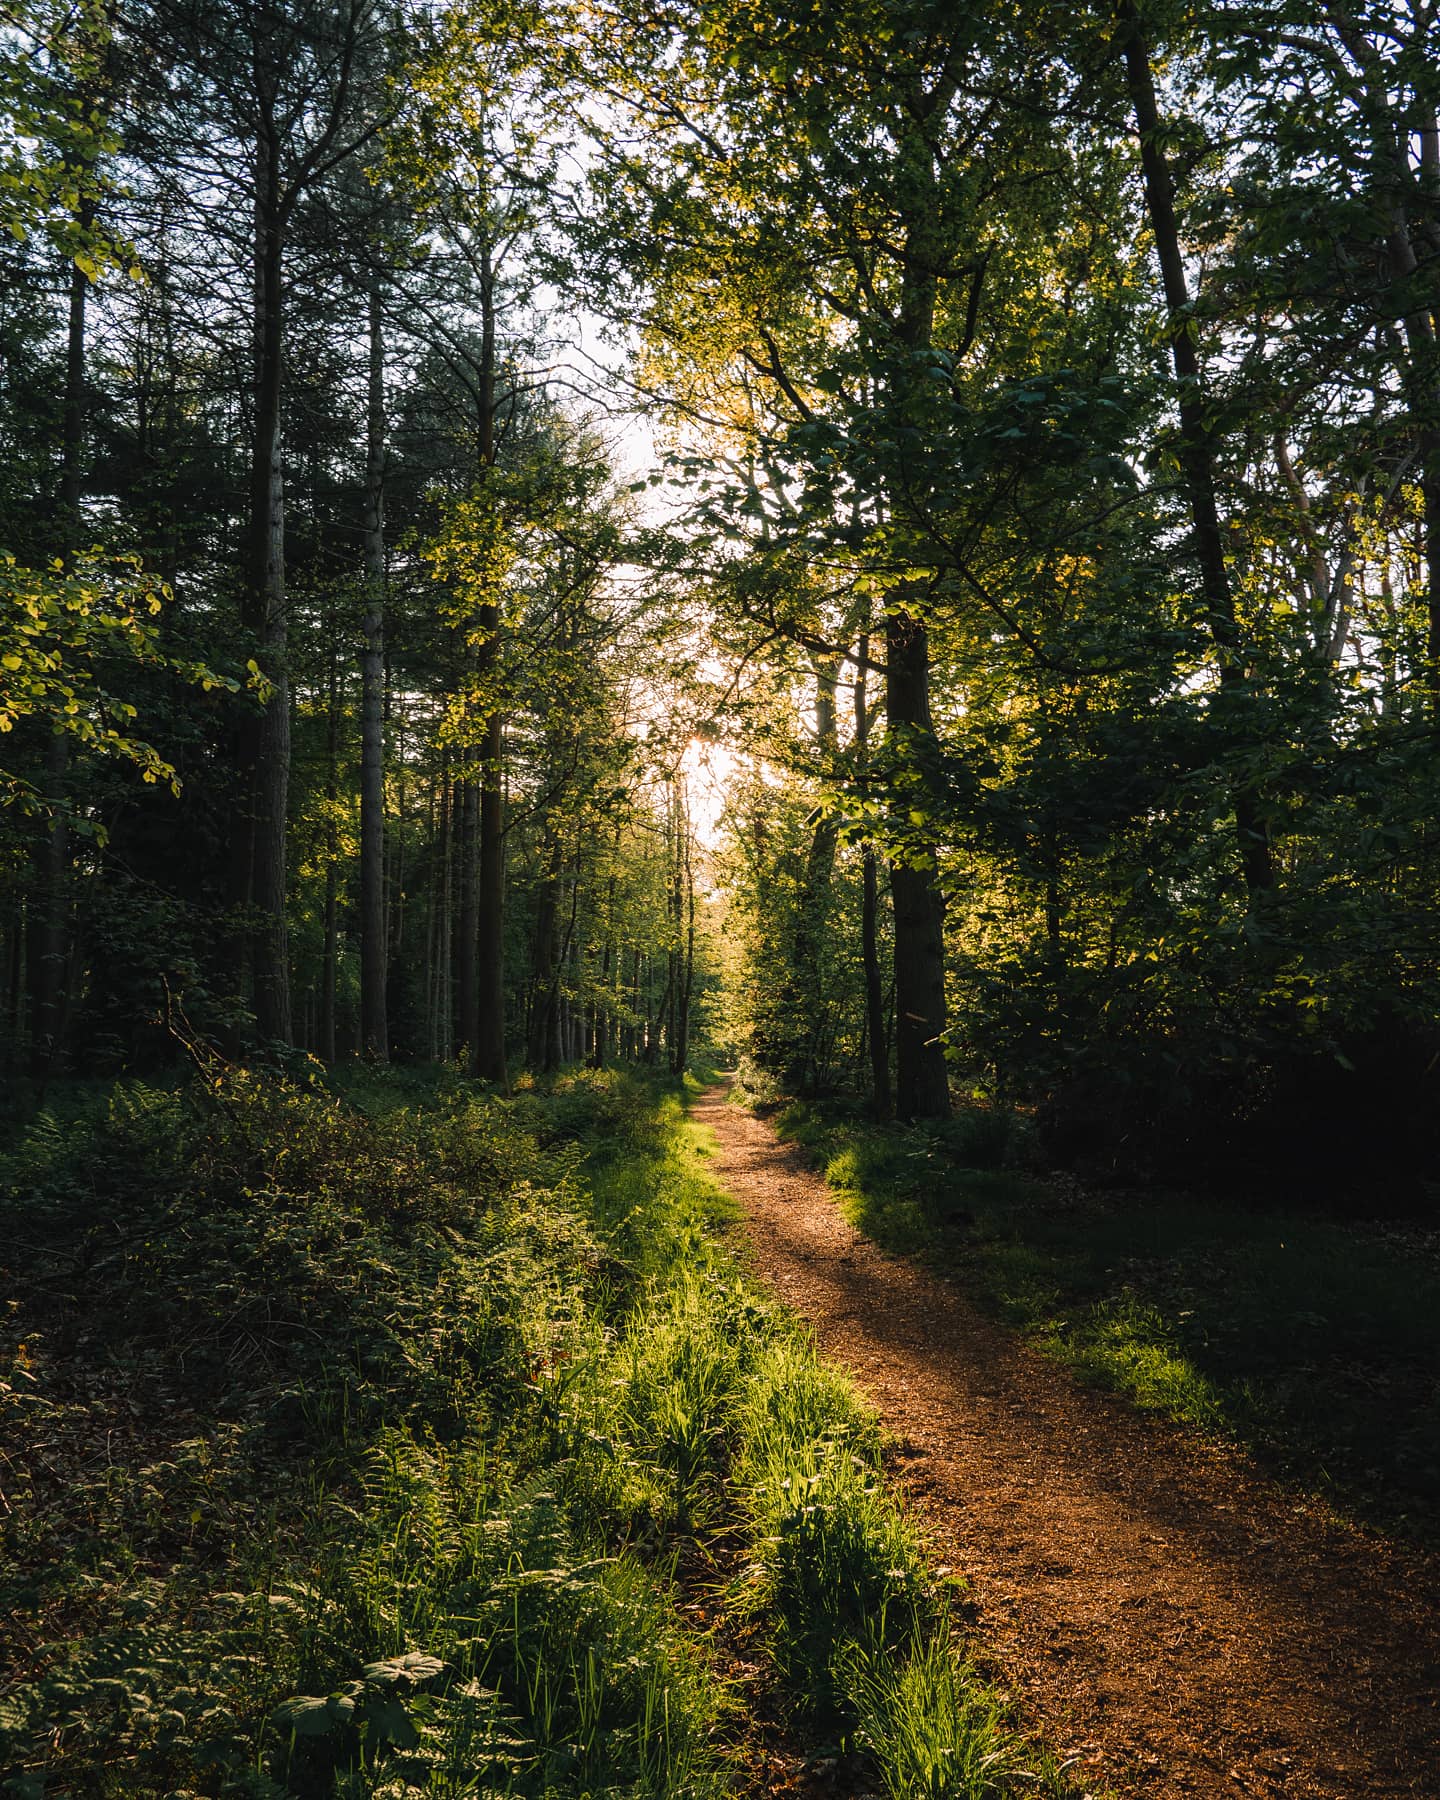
pixel 66 637
pixel 405 1407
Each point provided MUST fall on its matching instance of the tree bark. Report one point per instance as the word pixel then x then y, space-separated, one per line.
pixel 876 1026
pixel 487 1061
pixel 687 990
pixel 374 1027
pixel 467 929
pixel 266 740
pixel 922 1088
pixel 803 998
pixel 1197 451
pixel 49 935
pixel 542 1038
pixel 922 1083
pixel 330 921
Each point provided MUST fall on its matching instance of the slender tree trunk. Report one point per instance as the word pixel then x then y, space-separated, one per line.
pixel 544 957
pixel 604 1000
pixel 49 957
pixel 876 1033
pixel 487 1061
pixel 803 1004
pixel 489 1057
pixel 630 1037
pixel 395 871
pixel 674 906
pixel 1197 449
pixel 687 987
pixel 467 988
pixel 374 1027
pixel 443 1013
pixel 559 1048
pixel 332 855
pixel 266 746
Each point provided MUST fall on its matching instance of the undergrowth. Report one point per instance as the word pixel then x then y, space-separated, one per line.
pixel 1312 1341
pixel 352 1444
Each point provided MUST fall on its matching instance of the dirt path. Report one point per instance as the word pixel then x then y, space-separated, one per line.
pixel 1159 1608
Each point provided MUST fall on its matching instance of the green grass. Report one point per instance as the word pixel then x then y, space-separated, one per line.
pixel 295 1521
pixel 1315 1343
pixel 353 1444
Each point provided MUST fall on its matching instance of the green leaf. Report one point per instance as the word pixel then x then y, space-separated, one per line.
pixel 309 1715
pixel 413 1668
pixel 391 1723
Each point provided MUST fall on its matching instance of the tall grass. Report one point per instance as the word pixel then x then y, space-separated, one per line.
pixel 437 1389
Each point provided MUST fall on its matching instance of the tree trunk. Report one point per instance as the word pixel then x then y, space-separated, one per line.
pixel 332 854
pixel 488 1062
pixel 49 935
pixel 374 1028
pixel 922 1085
pixel 442 1013
pixel 802 1007
pixel 467 987
pixel 1197 450
pixel 266 751
pixel 544 958
pixel 487 1057
pixel 687 987
pixel 876 1025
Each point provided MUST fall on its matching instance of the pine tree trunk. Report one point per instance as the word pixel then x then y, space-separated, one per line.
pixel 489 1056
pixel 49 934
pixel 329 958
pixel 687 985
pixel 374 1028
pixel 467 927
pixel 544 952
pixel 266 739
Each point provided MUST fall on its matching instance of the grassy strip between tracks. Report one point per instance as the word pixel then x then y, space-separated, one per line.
pixel 374 1445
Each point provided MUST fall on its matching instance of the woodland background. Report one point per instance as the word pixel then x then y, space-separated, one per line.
pixel 441 447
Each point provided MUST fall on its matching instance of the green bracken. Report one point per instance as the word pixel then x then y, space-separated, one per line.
pixel 411 1402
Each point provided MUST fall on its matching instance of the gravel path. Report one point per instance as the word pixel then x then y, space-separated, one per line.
pixel 1160 1609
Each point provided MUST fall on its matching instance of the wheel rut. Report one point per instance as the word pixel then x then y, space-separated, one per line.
pixel 1161 1610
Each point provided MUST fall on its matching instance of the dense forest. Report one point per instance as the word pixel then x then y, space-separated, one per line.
pixel 892 544
pixel 1004 448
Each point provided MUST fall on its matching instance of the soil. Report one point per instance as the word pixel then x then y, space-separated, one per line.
pixel 1163 1612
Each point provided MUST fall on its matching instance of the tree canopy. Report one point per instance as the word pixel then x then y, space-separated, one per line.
pixel 895 538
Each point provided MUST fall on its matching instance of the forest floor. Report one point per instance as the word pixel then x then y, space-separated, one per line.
pixel 1159 1606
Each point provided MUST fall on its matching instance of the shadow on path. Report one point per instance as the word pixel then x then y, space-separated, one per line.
pixel 1161 1609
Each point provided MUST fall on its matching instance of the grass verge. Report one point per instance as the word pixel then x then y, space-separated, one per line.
pixel 351 1447
pixel 1313 1342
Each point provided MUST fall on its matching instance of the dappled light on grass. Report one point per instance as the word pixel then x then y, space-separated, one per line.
pixel 439 1388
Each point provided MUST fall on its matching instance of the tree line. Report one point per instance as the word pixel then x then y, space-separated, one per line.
pixel 1060 386
pixel 1050 405
pixel 331 721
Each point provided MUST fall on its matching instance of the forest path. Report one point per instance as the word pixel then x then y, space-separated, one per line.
pixel 1157 1605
